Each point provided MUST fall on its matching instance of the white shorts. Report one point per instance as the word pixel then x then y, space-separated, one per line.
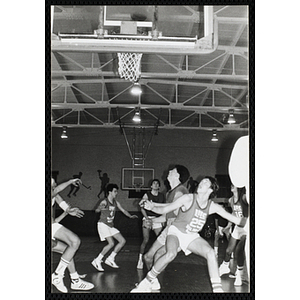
pixel 155 225
pixel 163 235
pixel 238 232
pixel 184 238
pixel 55 227
pixel 105 231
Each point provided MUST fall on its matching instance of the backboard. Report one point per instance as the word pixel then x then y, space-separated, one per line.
pixel 137 178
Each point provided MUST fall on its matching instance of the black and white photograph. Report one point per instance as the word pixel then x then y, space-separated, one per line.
pixel 150 160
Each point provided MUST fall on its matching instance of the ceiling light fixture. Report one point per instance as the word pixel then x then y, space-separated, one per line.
pixel 214 136
pixel 137 116
pixel 64 134
pixel 136 89
pixel 231 118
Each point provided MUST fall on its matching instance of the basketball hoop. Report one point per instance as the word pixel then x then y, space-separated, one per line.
pixel 129 66
pixel 138 187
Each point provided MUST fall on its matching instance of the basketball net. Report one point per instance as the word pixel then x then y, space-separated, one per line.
pixel 129 65
pixel 138 187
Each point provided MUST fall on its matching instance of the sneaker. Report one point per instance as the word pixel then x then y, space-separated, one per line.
pixel 217 287
pixel 110 262
pixel 155 285
pixel 97 265
pixel 224 269
pixel 143 287
pixel 79 284
pixel 140 265
pixel 218 290
pixel 58 282
pixel 238 279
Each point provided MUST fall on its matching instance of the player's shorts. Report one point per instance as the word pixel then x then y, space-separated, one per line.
pixel 163 235
pixel 105 231
pixel 184 238
pixel 55 227
pixel 238 232
pixel 155 225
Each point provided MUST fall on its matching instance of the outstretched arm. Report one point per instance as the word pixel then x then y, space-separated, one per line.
pixel 64 185
pixel 216 208
pixel 182 201
pixel 125 212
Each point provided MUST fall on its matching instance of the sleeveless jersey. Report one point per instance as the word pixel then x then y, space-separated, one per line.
pixel 107 215
pixel 170 197
pixel 239 209
pixel 160 198
pixel 193 219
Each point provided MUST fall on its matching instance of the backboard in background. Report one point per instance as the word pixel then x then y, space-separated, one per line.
pixel 137 178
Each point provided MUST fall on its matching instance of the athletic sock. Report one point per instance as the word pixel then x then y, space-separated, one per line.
pixel 60 270
pixel 99 257
pixel 240 269
pixel 113 255
pixel 226 263
pixel 216 250
pixel 216 283
pixel 74 276
pixel 152 274
pixel 141 257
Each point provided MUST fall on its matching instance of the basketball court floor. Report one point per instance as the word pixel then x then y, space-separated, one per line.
pixel 186 274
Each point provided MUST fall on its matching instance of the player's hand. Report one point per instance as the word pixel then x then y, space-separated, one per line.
pixel 147 223
pixel 149 205
pixel 76 181
pixel 133 217
pixel 76 212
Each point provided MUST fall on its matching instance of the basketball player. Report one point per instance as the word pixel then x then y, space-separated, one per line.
pixel 223 227
pixel 151 220
pixel 65 241
pixel 237 241
pixel 177 176
pixel 183 233
pixel 106 228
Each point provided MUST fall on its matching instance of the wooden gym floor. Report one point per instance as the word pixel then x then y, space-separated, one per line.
pixel 186 274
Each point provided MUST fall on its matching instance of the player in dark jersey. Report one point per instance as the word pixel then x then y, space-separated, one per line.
pixel 177 176
pixel 239 206
pixel 183 233
pixel 106 228
pixel 151 220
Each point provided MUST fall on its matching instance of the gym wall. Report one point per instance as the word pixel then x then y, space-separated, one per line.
pixel 90 149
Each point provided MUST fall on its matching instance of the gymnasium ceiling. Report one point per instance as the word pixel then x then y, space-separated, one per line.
pixel 180 89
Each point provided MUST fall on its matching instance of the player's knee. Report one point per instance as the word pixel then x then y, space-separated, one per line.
pixel 110 244
pixel 148 258
pixel 75 242
pixel 122 242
